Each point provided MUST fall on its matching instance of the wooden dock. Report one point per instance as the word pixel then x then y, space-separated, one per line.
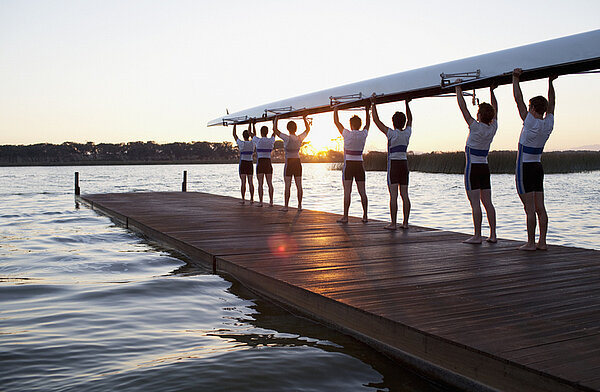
pixel 479 317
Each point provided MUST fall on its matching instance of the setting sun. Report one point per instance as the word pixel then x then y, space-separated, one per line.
pixel 314 147
pixel 322 138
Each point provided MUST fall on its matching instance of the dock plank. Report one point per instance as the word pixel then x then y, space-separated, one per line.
pixel 489 313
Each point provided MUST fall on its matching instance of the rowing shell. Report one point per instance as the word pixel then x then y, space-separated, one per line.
pixel 566 55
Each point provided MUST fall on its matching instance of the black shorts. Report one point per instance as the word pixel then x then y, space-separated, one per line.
pixel 397 172
pixel 353 169
pixel 533 177
pixel 293 167
pixel 477 176
pixel 263 166
pixel 246 167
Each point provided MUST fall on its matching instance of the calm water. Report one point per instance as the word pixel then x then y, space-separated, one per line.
pixel 86 305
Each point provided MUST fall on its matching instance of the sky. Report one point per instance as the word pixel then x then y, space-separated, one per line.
pixel 142 70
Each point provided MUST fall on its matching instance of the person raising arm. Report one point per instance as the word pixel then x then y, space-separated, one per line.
pixel 538 123
pixel 246 170
pixel 293 166
pixel 477 173
pixel 397 167
pixel 354 143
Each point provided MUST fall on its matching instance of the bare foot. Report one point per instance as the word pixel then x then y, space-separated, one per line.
pixel 299 207
pixel 251 202
pixel 259 204
pixel 271 204
pixel 343 220
pixel 473 240
pixel 243 202
pixel 283 209
pixel 364 219
pixel 391 226
pixel 542 246
pixel 527 247
pixel 405 226
pixel 492 239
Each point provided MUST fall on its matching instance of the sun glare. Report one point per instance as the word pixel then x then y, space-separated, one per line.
pixel 322 140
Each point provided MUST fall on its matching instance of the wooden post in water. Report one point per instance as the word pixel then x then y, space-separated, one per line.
pixel 184 183
pixel 77 190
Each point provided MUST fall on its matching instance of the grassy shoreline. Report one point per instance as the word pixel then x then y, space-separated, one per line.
pixel 500 162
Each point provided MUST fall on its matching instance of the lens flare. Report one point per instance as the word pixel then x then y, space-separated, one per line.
pixel 282 245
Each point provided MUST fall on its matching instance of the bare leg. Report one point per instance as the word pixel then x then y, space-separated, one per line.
pixel 347 193
pixel 270 184
pixel 243 188
pixel 474 196
pixel 251 186
pixel 528 200
pixel 286 194
pixel 298 181
pixel 490 211
pixel 261 180
pixel 405 205
pixel 360 185
pixel 393 189
pixel 540 210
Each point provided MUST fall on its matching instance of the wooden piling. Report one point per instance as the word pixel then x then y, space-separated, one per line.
pixel 77 189
pixel 184 183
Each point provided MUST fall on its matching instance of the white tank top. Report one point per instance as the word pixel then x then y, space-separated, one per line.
pixel 246 149
pixel 398 143
pixel 533 137
pixel 292 144
pixel 264 146
pixel 479 141
pixel 354 143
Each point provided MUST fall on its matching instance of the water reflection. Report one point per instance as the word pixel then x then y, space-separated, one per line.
pixel 87 305
pixel 285 330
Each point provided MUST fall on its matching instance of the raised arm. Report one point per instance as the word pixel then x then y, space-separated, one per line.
pixel 336 120
pixel 368 117
pixel 551 95
pixel 463 105
pixel 408 114
pixel 250 130
pixel 306 124
pixel 253 131
pixel 235 133
pixel 275 130
pixel 518 94
pixel 376 119
pixel 494 100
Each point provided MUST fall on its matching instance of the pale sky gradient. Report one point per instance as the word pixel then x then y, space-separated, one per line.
pixel 119 71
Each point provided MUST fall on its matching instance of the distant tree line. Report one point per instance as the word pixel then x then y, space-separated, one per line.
pixel 70 153
pixel 133 152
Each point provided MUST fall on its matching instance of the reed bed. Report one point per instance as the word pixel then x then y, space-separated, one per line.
pixel 501 162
